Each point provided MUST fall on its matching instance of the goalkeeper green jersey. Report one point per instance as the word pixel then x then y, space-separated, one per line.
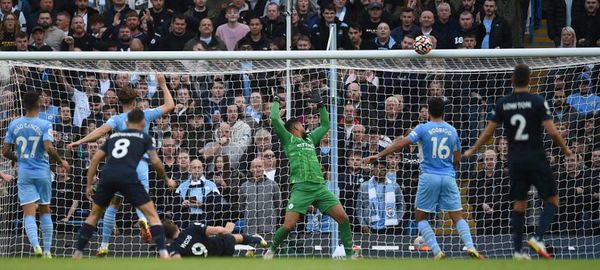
pixel 304 164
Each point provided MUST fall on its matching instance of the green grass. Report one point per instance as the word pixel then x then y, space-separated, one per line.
pixel 303 264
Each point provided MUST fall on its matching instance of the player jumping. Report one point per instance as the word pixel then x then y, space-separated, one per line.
pixel 128 99
pixel 439 148
pixel 308 185
pixel 523 116
pixel 206 241
pixel 34 185
pixel 124 149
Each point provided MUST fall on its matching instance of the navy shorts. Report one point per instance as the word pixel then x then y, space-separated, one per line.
pixel 131 188
pixel 537 174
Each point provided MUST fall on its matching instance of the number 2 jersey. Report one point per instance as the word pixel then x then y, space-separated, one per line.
pixel 124 150
pixel 28 136
pixel 193 241
pixel 522 115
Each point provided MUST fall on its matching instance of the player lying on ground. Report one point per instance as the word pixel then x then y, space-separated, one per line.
pixel 128 99
pixel 308 185
pixel 206 241
pixel 34 185
pixel 523 116
pixel 439 147
pixel 124 149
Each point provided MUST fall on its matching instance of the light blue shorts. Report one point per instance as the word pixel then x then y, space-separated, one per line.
pixel 142 173
pixel 437 190
pixel 34 190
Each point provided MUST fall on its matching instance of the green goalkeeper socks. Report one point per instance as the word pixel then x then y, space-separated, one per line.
pixel 346 235
pixel 278 238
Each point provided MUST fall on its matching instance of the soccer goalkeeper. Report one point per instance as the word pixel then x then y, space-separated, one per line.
pixel 308 185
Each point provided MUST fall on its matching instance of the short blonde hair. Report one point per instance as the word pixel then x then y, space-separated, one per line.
pixel 572 32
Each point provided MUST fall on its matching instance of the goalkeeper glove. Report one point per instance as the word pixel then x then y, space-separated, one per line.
pixel 276 99
pixel 315 97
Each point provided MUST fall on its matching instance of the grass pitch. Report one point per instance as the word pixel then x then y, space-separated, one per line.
pixel 300 264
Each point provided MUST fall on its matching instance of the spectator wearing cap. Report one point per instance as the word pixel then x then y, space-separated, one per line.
pixel 38 37
pixel 232 31
pixel 320 30
pixel 584 101
pixel 376 15
pixel 53 36
pixel 495 32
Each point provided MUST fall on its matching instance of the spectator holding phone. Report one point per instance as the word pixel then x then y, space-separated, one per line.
pixel 193 193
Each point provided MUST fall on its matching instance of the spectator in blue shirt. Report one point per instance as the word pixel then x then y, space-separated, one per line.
pixel 584 101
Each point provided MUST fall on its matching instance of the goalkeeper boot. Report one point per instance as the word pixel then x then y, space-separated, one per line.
pixel 269 254
pixel 102 252
pixel 47 255
pixel 521 256
pixel 440 256
pixel 37 251
pixel 356 252
pixel 473 253
pixel 145 231
pixel 263 243
pixel 539 247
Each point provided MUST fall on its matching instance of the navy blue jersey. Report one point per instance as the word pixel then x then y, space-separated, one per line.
pixel 193 241
pixel 125 149
pixel 522 115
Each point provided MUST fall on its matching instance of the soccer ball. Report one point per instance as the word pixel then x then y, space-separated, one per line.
pixel 419 243
pixel 423 45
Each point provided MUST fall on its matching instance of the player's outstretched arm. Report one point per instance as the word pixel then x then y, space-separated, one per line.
pixel 319 132
pixel 218 230
pixel 92 137
pixel 555 135
pixel 169 103
pixel 91 173
pixel 6 177
pixel 160 169
pixel 396 146
pixel 278 125
pixel 49 147
pixel 7 152
pixel 484 137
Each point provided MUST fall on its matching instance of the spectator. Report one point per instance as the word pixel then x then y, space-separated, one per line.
pixel 169 153
pixel 37 40
pixel 162 16
pixel 407 24
pixel 6 8
pixel 44 6
pixel 446 26
pixel 408 42
pixel 427 20
pixel 351 177
pixel 353 96
pixel 298 28
pixel 224 145
pixel 255 37
pixel 83 10
pixel 584 101
pixel 260 199
pixel 395 120
pixel 585 25
pixel 495 32
pixel 80 98
pixel 197 13
pixel 8 32
pixel 595 164
pixel 383 40
pixel 194 194
pixel 472 6
pixel 96 115
pixel 561 110
pixel 66 196
pixel 355 40
pixel 380 203
pixel 575 187
pixel 118 8
pixel 181 171
pixel 78 37
pixel 489 196
pixel 47 110
pixel 375 15
pixel 63 21
pixel 568 39
pixel 303 43
pixel 467 26
pixel 559 14
pixel 274 23
pixel 53 36
pixel 243 10
pixel 66 130
pixel 308 13
pixel 320 30
pixel 232 31
pixel 228 182
pixel 177 36
pixel 206 35
pixel 21 42
pixel 216 104
pixel 240 131
pixel 515 14
pixel 423 114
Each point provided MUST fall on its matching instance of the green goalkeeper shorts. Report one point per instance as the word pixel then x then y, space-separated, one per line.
pixel 304 195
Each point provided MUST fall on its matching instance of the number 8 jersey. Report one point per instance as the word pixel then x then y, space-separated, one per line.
pixel 437 143
pixel 522 115
pixel 28 135
pixel 124 150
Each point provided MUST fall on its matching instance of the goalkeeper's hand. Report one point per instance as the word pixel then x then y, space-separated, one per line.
pixel 276 99
pixel 315 97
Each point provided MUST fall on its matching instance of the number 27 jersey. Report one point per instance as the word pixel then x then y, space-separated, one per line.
pixel 124 150
pixel 522 115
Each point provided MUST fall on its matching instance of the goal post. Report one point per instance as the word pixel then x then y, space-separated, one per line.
pixel 374 96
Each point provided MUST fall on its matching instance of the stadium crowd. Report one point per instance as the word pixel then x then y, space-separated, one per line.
pixel 218 143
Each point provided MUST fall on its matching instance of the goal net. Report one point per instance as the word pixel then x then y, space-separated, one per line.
pixel 222 122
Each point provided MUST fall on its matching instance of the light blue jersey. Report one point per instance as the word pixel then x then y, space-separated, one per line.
pixel 119 123
pixel 28 136
pixel 437 143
